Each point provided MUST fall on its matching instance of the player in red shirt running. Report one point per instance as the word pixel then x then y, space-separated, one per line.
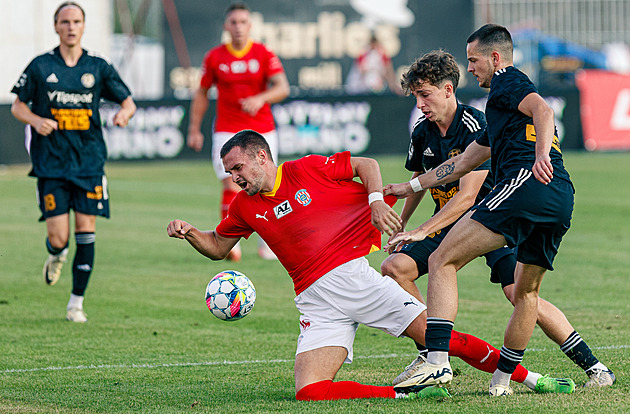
pixel 249 77
pixel 320 223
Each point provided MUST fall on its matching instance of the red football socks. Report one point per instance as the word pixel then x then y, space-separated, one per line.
pixel 228 196
pixel 342 390
pixel 480 354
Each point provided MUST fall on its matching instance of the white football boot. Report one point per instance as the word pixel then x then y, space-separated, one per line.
pixel 410 370
pixel 76 315
pixel 53 265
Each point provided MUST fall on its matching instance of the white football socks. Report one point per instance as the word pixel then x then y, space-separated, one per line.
pixel 75 302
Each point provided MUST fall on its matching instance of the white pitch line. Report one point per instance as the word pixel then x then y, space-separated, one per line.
pixel 246 362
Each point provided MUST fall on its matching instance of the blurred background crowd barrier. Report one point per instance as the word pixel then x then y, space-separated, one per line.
pixel 575 51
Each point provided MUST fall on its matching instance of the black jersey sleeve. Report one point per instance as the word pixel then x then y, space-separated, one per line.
pixel 515 86
pixel 114 89
pixel 25 87
pixel 483 138
pixel 414 162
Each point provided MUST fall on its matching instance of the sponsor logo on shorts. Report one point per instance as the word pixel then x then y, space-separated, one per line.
pixel 304 325
pixel 97 194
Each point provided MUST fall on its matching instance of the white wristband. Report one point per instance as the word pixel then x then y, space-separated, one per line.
pixel 415 185
pixel 374 197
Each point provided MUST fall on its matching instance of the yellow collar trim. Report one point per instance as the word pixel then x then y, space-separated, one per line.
pixel 276 185
pixel 242 52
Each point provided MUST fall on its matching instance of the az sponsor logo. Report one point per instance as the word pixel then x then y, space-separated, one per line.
pixel 282 209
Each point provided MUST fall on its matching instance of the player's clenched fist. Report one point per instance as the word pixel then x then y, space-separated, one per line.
pixel 178 229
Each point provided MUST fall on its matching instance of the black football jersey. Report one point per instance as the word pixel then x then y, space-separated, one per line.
pixel 510 132
pixel 71 96
pixel 428 149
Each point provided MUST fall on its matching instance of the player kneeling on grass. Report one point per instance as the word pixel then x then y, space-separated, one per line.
pixel 320 223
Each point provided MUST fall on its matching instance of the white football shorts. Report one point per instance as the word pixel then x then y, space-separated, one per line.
pixel 333 307
pixel 220 138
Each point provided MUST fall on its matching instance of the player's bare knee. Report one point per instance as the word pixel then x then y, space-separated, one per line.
pixel 525 298
pixel 392 268
pixel 58 240
pixel 508 291
pixel 436 261
pixel 417 328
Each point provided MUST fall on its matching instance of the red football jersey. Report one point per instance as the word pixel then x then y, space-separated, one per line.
pixel 315 219
pixel 240 74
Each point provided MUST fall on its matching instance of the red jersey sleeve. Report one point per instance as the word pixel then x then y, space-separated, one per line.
pixel 274 65
pixel 336 167
pixel 207 77
pixel 232 225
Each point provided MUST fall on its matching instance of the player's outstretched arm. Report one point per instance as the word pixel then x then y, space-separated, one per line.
pixel 470 184
pixel 447 172
pixel 208 243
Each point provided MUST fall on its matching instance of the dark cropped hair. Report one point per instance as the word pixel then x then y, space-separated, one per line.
pixel 434 67
pixel 249 141
pixel 68 4
pixel 493 37
pixel 238 5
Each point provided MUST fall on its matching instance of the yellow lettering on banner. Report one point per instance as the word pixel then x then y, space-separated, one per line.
pixel 530 135
pixel 72 119
pixel 49 202
pixel 97 194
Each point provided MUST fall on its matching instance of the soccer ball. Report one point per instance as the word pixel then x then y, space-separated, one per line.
pixel 230 295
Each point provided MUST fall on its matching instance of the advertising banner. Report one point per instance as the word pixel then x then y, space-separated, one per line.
pixel 317 41
pixel 368 125
pixel 605 110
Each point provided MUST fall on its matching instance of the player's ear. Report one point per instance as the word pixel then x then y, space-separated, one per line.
pixel 448 89
pixel 262 156
pixel 496 58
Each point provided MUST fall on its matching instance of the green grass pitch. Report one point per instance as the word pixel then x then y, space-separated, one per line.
pixel 151 345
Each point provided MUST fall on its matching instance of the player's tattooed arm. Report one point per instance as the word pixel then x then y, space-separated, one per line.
pixel 443 171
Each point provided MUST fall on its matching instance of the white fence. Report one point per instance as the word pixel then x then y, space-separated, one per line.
pixel 591 23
